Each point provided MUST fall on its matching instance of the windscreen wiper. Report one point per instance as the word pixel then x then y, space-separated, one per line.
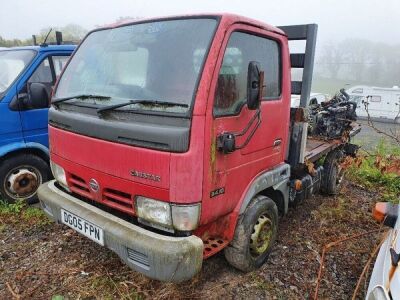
pixel 80 97
pixel 148 102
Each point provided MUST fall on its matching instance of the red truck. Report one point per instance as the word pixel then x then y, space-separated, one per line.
pixel 172 139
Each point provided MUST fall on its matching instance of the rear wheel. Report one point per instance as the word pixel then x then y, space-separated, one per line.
pixel 333 174
pixel 20 177
pixel 254 235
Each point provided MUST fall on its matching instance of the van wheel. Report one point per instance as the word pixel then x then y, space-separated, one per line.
pixel 254 235
pixel 20 177
pixel 333 174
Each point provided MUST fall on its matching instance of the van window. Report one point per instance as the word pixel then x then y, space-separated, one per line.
pixel 358 91
pixel 374 98
pixel 43 73
pixel 59 63
pixel 242 48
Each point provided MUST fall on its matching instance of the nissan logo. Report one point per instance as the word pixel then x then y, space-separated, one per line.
pixel 94 185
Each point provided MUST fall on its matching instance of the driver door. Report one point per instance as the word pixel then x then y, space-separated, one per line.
pixel 264 150
pixel 34 121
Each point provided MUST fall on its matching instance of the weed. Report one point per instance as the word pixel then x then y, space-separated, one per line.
pixel 370 176
pixel 36 215
pixel 20 211
pixel 11 208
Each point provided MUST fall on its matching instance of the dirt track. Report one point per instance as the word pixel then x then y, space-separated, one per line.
pixel 40 261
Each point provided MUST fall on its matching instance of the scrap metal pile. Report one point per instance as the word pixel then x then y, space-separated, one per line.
pixel 332 119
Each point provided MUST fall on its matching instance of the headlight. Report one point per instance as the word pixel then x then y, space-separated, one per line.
pixel 185 217
pixel 59 174
pixel 154 212
pixel 165 216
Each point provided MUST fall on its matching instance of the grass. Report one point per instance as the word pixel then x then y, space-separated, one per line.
pixel 113 289
pixel 20 211
pixel 371 177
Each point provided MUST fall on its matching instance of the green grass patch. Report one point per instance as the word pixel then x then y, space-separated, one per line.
pixel 12 208
pixel 371 177
pixel 22 213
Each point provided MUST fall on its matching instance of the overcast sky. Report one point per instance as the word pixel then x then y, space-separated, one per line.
pixel 337 19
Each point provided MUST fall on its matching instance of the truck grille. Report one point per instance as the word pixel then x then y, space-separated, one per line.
pixel 113 198
pixel 118 200
pixel 79 186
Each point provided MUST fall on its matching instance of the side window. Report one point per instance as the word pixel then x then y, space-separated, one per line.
pixel 43 73
pixel 59 63
pixel 375 98
pixel 242 48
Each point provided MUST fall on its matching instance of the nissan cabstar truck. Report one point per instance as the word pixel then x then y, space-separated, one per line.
pixel 172 139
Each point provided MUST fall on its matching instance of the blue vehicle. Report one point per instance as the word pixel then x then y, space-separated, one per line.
pixel 27 76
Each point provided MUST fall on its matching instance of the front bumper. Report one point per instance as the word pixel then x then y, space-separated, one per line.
pixel 157 256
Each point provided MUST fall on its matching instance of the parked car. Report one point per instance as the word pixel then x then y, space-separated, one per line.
pixel 27 77
pixel 383 104
pixel 385 278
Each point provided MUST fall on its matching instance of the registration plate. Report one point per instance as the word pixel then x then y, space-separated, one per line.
pixel 84 227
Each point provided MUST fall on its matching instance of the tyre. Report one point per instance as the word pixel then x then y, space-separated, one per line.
pixel 20 177
pixel 333 174
pixel 254 235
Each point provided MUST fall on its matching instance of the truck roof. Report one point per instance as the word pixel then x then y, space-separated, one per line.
pixel 226 19
pixel 44 48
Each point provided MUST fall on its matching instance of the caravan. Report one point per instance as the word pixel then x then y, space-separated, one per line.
pixel 382 104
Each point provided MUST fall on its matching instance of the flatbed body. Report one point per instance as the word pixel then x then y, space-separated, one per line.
pixel 318 147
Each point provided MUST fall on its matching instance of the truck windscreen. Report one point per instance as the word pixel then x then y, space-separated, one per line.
pixel 156 61
pixel 12 63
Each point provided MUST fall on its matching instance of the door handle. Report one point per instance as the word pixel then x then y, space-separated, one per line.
pixel 277 142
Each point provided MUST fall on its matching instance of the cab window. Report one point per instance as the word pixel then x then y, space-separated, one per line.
pixel 242 48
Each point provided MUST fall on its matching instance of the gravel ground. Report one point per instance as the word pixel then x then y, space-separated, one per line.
pixel 368 138
pixel 40 259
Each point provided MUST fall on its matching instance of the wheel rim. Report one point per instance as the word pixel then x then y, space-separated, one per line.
pixel 22 182
pixel 261 236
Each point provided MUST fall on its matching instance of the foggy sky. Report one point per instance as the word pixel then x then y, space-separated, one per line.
pixel 337 19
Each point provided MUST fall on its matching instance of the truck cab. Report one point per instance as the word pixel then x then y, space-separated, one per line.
pixel 27 77
pixel 170 137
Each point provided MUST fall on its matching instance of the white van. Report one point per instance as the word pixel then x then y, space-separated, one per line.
pixel 383 103
pixel 319 97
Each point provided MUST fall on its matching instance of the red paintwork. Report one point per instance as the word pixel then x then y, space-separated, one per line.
pixel 190 177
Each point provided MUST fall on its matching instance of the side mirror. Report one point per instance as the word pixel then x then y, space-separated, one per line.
pixel 38 97
pixel 255 81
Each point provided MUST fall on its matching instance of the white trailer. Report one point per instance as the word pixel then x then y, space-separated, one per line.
pixel 383 104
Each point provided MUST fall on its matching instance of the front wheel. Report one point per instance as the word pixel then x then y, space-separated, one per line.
pixel 254 235
pixel 20 177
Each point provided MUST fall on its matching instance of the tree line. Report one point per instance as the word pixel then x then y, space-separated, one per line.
pixel 71 33
pixel 359 60
pixel 355 61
